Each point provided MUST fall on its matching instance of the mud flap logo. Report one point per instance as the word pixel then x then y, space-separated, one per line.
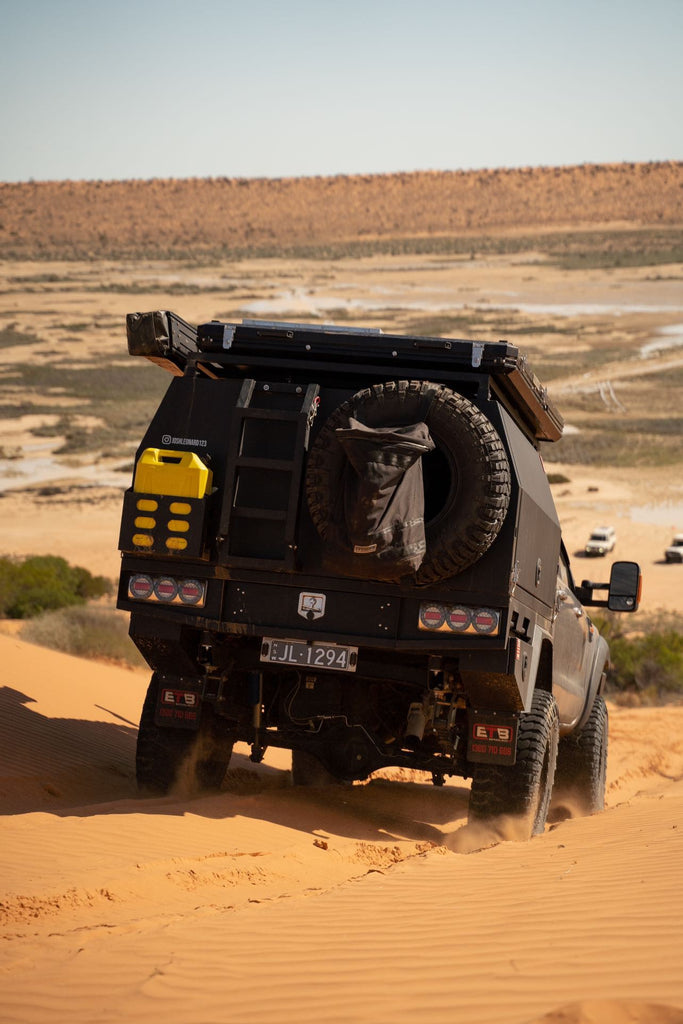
pixel 178 708
pixel 492 738
pixel 311 606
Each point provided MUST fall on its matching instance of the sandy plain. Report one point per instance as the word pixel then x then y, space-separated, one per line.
pixel 372 903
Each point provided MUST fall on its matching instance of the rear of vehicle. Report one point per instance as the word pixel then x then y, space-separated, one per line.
pixel 343 543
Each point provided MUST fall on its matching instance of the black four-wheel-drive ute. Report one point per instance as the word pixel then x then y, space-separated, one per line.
pixel 344 543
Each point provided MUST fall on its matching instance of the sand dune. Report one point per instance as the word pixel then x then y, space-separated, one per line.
pixel 268 903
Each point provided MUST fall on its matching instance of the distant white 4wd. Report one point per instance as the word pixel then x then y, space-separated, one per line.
pixel 674 553
pixel 601 541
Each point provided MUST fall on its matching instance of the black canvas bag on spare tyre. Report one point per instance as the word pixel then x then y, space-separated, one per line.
pixel 376 528
pixel 469 505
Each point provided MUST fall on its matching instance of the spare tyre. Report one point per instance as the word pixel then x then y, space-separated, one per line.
pixel 466 477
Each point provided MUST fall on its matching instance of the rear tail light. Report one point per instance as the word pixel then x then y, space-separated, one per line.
pixel 485 621
pixel 455 618
pixel 459 619
pixel 191 591
pixel 167 590
pixel 141 587
pixel 432 616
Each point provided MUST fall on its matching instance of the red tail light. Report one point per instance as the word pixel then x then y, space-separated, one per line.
pixel 191 592
pixel 459 619
pixel 456 618
pixel 485 621
pixel 165 589
pixel 141 587
pixel 432 616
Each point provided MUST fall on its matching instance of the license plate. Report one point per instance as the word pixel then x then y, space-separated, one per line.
pixel 294 652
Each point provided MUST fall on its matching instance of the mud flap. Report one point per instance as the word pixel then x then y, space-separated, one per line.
pixel 492 737
pixel 177 706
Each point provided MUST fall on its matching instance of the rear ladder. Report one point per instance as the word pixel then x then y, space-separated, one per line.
pixel 271 426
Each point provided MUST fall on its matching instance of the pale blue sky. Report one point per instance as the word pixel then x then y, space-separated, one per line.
pixel 255 88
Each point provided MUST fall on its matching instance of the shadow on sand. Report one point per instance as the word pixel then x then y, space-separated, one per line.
pixel 76 767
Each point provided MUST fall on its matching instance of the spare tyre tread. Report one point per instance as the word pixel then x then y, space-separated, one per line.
pixel 456 538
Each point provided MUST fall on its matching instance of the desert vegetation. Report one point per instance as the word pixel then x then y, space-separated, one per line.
pixel 65 607
pixel 646 664
pixel 38 583
pixel 357 215
pixel 91 631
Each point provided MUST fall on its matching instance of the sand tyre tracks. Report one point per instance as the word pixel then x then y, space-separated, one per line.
pixel 582 764
pixel 523 790
pixel 466 478
pixel 166 756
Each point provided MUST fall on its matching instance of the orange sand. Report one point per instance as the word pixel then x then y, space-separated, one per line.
pixel 265 903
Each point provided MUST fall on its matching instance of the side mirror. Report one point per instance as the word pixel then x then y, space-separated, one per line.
pixel 624 587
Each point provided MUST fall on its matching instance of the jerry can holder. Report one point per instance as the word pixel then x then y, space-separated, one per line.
pixel 163 524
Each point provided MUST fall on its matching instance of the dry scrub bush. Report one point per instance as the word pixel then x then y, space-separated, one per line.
pixel 87 632
pixel 646 663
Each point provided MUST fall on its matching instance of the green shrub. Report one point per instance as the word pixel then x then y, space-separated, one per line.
pixel 88 632
pixel 39 583
pixel 646 662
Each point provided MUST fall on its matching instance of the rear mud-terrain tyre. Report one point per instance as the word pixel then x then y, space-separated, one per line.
pixel 581 772
pixel 521 792
pixel 466 478
pixel 308 770
pixel 211 754
pixel 162 752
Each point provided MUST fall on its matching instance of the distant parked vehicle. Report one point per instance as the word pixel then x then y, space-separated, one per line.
pixel 601 541
pixel 674 553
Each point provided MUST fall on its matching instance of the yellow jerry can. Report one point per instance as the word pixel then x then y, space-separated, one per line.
pixel 164 471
